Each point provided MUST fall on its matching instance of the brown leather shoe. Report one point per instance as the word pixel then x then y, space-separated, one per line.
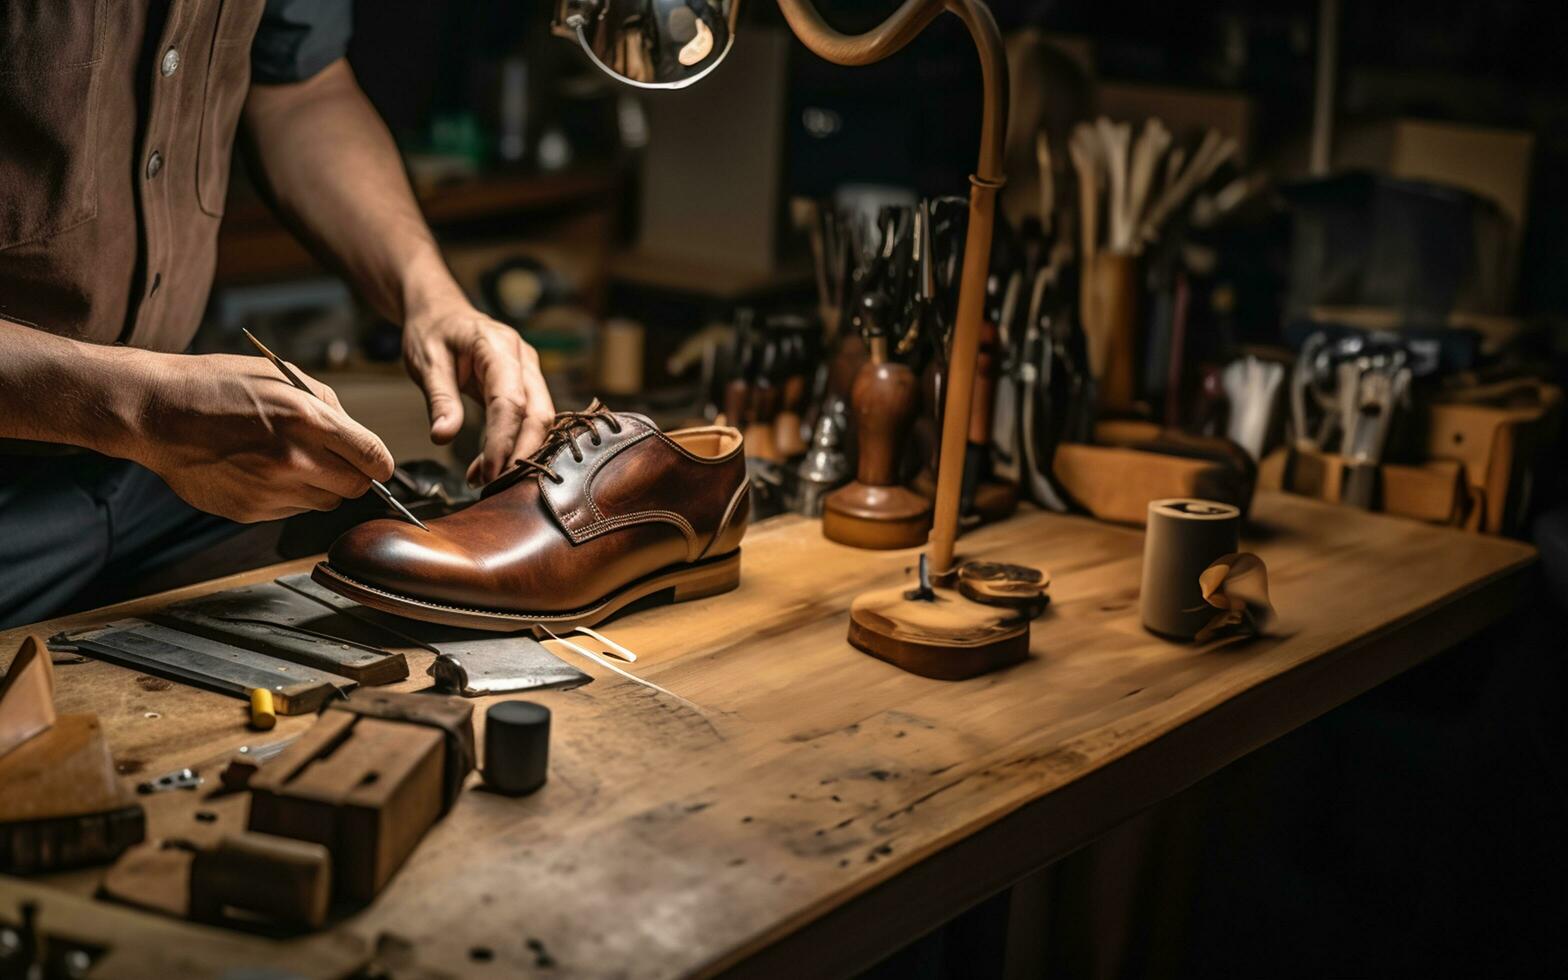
pixel 610 510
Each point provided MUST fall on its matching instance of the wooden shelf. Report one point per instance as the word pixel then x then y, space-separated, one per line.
pixel 254 247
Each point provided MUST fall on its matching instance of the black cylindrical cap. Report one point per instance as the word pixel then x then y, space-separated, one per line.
pixel 517 747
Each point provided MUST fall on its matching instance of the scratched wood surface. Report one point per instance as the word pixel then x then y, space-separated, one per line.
pixel 828 806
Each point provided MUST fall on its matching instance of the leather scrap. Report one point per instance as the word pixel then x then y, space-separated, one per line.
pixel 1238 586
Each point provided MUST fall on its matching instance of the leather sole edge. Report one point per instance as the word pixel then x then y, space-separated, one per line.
pixel 685 583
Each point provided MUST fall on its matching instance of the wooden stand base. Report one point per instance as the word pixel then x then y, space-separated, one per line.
pixel 881 518
pixel 947 637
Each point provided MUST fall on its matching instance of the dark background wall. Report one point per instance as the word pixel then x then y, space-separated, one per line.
pixel 913 119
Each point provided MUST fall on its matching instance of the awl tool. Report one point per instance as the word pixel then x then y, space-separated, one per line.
pixel 295 380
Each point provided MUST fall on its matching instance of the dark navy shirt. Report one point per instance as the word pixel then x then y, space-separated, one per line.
pixel 298 38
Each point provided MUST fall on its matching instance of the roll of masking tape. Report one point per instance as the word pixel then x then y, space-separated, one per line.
pixel 1182 538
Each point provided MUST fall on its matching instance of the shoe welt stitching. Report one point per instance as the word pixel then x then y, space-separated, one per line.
pixel 641 517
pixel 599 464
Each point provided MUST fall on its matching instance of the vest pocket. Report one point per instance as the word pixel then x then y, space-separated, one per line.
pixel 49 53
pixel 228 82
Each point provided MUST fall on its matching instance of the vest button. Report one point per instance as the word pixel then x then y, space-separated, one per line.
pixel 154 164
pixel 171 62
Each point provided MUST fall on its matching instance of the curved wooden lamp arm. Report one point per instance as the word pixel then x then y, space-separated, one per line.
pixel 903 26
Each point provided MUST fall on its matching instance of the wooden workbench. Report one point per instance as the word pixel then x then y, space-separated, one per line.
pixel 830 807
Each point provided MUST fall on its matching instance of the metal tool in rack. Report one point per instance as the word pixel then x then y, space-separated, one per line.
pixel 1350 394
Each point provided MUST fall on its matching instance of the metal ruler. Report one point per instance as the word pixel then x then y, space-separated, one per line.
pixel 280 622
pixel 468 662
pixel 212 664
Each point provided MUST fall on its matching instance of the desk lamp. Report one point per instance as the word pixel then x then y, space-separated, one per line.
pixel 669 44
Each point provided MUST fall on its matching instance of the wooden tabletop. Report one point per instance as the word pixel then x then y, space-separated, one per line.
pixel 829 807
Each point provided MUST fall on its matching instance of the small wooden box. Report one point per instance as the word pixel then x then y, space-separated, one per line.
pixel 1501 434
pixel 366 788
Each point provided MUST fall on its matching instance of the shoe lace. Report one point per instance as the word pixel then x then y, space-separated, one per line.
pixel 564 430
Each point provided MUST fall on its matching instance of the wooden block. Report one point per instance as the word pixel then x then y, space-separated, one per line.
pixel 453 716
pixel 1116 484
pixel 128 942
pixel 275 878
pixel 876 517
pixel 26 695
pixel 61 804
pixel 365 788
pixel 153 876
pixel 278 878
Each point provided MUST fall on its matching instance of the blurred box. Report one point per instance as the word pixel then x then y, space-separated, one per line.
pixel 1413 247
pixel 1491 163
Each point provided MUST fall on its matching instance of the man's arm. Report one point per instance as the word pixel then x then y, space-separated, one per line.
pixel 333 169
pixel 53 389
pixel 226 432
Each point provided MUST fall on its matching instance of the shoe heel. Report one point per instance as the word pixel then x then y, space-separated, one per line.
pixel 709 580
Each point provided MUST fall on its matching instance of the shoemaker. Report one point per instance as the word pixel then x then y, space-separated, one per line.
pixel 118 452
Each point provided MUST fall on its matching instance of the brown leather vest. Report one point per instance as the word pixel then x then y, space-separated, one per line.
pixel 114 162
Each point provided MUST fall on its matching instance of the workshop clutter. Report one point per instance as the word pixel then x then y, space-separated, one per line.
pixel 1158 323
pixel 331 818
pixel 275 834
pixel 843 415
pixel 1467 458
pixel 61 802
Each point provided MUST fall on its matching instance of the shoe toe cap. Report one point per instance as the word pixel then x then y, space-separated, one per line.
pixel 393 555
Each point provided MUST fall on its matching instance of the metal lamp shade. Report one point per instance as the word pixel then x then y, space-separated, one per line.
pixel 651 43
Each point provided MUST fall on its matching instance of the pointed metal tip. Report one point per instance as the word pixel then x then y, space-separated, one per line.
pixel 397 505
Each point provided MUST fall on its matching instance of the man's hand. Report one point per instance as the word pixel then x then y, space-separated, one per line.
pixel 466 351
pixel 330 165
pixel 233 438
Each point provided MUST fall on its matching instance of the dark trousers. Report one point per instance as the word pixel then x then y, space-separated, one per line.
pixel 84 530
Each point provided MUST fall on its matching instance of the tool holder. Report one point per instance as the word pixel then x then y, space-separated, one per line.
pixel 1435 491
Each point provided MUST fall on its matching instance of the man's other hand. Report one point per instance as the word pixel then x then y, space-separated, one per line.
pixel 467 352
